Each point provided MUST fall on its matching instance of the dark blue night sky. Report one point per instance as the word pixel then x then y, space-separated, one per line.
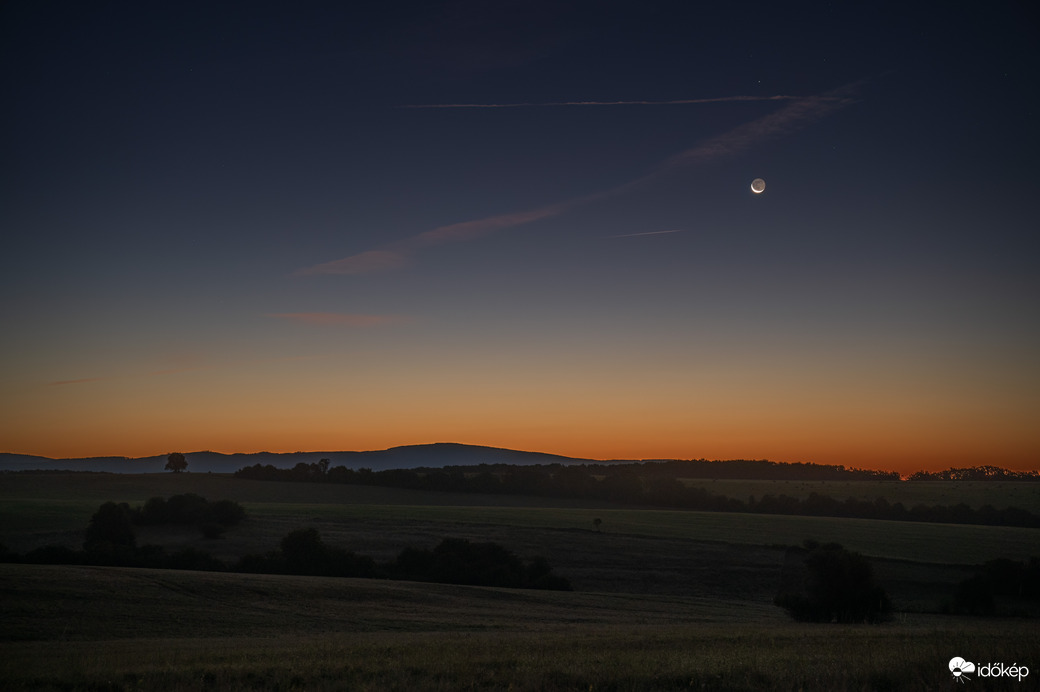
pixel 285 226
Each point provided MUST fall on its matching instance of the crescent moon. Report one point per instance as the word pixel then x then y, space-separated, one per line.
pixel 758 186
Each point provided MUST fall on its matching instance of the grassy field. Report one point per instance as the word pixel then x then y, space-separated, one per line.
pixel 54 508
pixel 97 487
pixel 109 628
pixel 975 494
pixel 663 600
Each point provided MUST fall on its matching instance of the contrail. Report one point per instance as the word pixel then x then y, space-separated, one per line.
pixel 634 235
pixel 721 99
pixel 800 112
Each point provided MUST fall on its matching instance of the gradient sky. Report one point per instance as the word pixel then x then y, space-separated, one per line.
pixel 307 226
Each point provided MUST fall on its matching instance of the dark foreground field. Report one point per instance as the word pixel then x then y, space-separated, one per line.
pixel 109 628
pixel 663 600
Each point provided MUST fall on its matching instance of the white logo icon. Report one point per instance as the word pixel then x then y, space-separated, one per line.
pixel 959 667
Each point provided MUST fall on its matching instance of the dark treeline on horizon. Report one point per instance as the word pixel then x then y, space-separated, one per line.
pixel 975 473
pixel 653 484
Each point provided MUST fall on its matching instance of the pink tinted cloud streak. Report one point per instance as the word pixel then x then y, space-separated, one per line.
pixel 84 380
pixel 796 114
pixel 791 117
pixel 336 319
pixel 364 263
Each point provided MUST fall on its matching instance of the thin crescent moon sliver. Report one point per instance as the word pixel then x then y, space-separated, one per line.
pixel 758 186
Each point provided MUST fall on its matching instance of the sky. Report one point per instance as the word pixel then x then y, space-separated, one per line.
pixel 293 226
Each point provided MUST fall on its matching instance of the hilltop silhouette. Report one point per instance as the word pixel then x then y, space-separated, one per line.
pixel 441 455
pixel 404 457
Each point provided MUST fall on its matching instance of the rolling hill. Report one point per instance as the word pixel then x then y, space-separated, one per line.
pixel 405 457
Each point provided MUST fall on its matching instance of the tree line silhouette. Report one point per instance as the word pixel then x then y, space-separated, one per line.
pixel 452 561
pixel 975 473
pixel 110 540
pixel 653 484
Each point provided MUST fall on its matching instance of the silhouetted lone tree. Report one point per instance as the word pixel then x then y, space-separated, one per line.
pixel 176 462
pixel 838 586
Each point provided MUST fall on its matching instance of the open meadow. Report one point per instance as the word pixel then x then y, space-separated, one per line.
pixel 975 494
pixel 662 599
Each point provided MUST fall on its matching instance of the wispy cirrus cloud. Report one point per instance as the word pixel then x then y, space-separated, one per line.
pixel 337 319
pixel 364 263
pixel 473 229
pixel 788 119
pixel 82 380
pixel 396 255
pixel 798 112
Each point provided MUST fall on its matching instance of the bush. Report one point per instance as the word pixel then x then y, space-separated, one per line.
pixel 974 595
pixel 212 518
pixel 225 513
pixel 153 512
pixel 211 530
pixel 303 552
pixel 110 527
pixel 188 508
pixel 838 587
pixel 458 561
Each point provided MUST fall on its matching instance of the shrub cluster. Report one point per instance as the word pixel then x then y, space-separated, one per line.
pixel 838 587
pixel 458 561
pixel 654 484
pixel 303 552
pixel 452 561
pixel 998 579
pixel 110 540
pixel 212 518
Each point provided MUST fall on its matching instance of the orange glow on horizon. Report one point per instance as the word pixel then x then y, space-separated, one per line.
pixel 897 458
pixel 595 406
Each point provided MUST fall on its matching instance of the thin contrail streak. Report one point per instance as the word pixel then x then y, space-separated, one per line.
pixel 721 99
pixel 798 113
pixel 633 235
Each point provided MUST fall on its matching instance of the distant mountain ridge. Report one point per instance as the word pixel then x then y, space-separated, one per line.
pixel 433 455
